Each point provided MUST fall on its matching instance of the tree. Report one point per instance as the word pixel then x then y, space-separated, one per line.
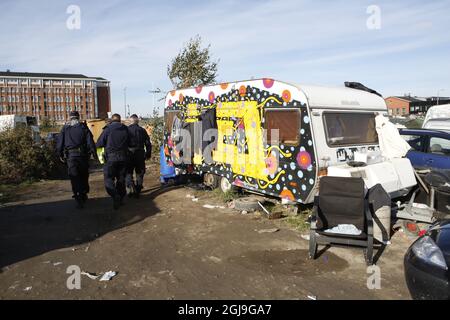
pixel 192 67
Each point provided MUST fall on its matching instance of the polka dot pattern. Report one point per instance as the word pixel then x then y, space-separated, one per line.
pixel 290 169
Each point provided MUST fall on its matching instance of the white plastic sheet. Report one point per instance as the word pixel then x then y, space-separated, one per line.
pixel 392 145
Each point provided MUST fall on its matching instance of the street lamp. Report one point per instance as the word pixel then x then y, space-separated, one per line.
pixel 156 91
pixel 125 100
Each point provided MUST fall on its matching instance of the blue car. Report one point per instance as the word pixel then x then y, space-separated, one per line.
pixel 430 148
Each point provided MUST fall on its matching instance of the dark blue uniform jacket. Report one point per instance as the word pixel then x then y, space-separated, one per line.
pixel 75 138
pixel 139 138
pixel 115 139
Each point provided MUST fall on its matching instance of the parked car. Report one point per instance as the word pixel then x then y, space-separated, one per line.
pixel 427 264
pixel 430 148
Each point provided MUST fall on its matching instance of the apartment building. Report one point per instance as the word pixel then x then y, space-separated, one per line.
pixel 53 96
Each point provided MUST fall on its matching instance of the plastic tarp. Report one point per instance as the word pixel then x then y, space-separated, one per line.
pixel 392 145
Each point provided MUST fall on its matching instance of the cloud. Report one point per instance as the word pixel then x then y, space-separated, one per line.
pixel 131 42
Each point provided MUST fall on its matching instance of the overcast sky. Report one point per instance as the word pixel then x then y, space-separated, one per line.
pixel 131 43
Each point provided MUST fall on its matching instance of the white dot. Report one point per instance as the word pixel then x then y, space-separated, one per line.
pixel 300 174
pixel 306 119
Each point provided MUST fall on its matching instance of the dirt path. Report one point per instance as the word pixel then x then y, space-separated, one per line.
pixel 165 246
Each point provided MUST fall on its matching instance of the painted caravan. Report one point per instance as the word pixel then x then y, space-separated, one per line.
pixel 273 137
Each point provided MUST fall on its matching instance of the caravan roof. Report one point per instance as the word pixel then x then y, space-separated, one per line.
pixel 342 98
pixel 338 98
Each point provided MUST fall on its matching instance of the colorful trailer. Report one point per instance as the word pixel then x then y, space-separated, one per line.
pixel 271 137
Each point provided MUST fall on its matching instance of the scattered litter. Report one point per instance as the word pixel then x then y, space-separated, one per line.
pixel 57 263
pixel 108 276
pixel 312 297
pixel 305 237
pixel 15 285
pixel 215 259
pixel 189 196
pixel 87 248
pixel 92 276
pixel 275 215
pixel 268 230
pixel 209 206
pixel 244 212
pixel 264 209
pixel 28 289
pixel 194 199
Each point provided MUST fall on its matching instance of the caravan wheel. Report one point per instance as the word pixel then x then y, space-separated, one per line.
pixel 211 180
pixel 225 185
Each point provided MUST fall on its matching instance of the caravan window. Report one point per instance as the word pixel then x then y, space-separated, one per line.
pixel 346 129
pixel 287 122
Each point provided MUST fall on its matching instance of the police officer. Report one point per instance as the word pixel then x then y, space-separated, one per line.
pixel 140 150
pixel 115 140
pixel 74 146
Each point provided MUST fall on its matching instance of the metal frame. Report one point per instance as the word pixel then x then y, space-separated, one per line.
pixel 316 238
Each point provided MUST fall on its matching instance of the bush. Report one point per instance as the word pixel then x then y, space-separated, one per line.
pixel 21 159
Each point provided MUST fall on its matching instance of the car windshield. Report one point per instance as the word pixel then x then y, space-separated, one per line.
pixel 346 129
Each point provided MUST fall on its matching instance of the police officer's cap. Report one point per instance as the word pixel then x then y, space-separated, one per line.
pixel 74 115
pixel 134 116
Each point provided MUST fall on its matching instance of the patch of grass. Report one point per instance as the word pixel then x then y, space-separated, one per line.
pixel 298 222
pixel 414 124
pixel 225 197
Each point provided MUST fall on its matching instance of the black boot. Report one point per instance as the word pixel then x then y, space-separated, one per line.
pixel 138 191
pixel 131 191
pixel 79 200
